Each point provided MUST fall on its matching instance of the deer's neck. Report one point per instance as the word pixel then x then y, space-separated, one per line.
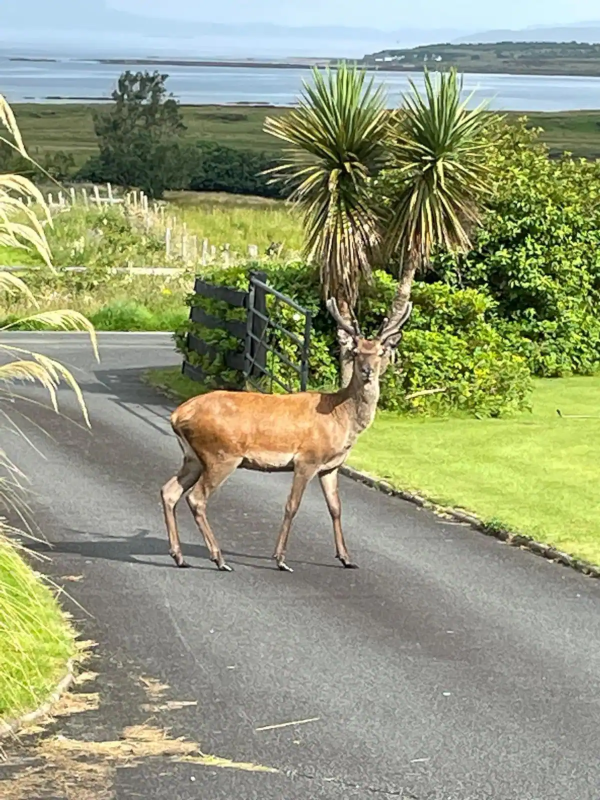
pixel 360 402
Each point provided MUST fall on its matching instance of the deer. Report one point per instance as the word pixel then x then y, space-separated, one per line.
pixel 307 433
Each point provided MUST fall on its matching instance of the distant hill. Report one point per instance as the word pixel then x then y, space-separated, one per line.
pixel 516 58
pixel 581 32
pixel 78 15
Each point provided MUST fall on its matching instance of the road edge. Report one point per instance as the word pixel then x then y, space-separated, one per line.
pixel 508 537
pixel 12 727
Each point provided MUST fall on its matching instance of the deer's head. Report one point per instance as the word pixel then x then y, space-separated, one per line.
pixel 371 356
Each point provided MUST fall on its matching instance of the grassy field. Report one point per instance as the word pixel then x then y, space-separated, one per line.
pixel 35 640
pixel 123 303
pixel 576 132
pixel 69 127
pixel 141 302
pixel 239 221
pixel 47 128
pixel 536 474
pixel 80 237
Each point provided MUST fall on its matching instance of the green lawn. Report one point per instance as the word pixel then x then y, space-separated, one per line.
pixel 35 639
pixel 536 474
pixel 69 127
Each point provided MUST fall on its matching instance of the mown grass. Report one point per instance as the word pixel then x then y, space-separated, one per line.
pixel 35 640
pixel 536 474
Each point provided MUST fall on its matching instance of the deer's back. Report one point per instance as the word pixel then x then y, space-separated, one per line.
pixel 266 431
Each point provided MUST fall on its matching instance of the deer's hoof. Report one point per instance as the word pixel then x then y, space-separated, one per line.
pixel 222 566
pixel 283 567
pixel 346 563
pixel 179 561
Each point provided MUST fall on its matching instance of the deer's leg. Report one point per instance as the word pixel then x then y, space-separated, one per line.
pixel 302 477
pixel 329 484
pixel 171 494
pixel 214 474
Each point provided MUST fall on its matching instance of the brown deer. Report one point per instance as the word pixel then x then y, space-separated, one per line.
pixel 307 433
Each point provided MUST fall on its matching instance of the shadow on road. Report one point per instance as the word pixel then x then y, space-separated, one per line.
pixel 125 389
pixel 127 386
pixel 134 549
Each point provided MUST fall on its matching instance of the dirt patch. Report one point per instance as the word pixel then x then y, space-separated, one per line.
pixel 47 762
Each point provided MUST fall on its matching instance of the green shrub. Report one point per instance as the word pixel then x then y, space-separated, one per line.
pixel 218 168
pixel 448 345
pixel 538 256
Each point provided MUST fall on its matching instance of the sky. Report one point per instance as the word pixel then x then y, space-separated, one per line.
pixel 384 14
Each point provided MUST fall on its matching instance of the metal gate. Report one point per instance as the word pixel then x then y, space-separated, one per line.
pixel 261 364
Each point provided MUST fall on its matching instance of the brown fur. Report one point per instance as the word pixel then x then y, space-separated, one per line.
pixel 307 433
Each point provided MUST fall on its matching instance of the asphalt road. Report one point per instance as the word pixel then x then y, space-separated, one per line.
pixel 449 667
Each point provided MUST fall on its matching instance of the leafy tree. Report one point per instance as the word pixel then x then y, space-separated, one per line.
pixel 218 168
pixel 537 253
pixel 336 144
pixel 438 175
pixel 140 135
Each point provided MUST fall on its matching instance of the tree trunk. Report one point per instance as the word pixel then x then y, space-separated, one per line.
pixel 346 347
pixel 404 288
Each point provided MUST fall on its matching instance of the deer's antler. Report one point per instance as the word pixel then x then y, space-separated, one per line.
pixel 392 326
pixel 351 329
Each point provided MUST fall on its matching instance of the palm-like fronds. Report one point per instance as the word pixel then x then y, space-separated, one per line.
pixel 19 223
pixel 21 227
pixel 336 138
pixel 438 154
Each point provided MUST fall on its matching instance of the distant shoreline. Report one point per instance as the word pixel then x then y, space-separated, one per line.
pixel 307 64
pixel 240 104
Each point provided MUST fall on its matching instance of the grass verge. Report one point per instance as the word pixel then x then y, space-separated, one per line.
pixel 36 641
pixel 535 474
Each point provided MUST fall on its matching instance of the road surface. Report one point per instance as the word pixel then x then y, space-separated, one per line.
pixel 449 667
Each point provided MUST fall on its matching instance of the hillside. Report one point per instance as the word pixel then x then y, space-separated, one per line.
pixel 578 32
pixel 518 58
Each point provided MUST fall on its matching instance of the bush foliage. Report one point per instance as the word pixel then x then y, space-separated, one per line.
pixel 537 255
pixel 448 345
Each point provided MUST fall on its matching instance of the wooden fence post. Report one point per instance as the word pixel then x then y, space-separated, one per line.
pixel 259 326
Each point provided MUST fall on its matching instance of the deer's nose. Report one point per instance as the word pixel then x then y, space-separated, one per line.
pixel 367 373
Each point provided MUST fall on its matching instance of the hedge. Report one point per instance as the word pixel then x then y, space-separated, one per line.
pixel 449 343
